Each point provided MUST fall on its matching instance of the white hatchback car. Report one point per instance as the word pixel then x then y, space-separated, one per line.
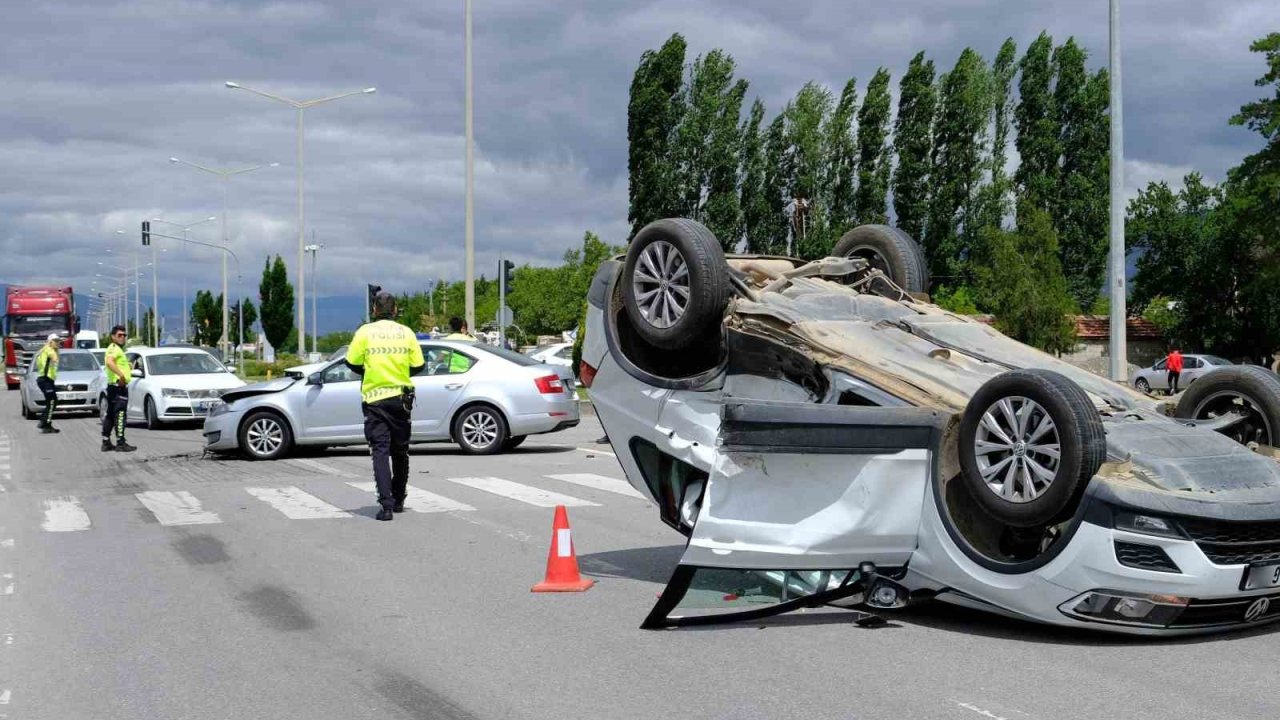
pixel 174 384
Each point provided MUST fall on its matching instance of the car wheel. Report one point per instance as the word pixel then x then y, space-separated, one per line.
pixel 26 412
pixel 480 430
pixel 1030 441
pixel 265 436
pixel 102 405
pixel 1250 391
pixel 514 442
pixel 1142 385
pixel 888 250
pixel 675 283
pixel 149 414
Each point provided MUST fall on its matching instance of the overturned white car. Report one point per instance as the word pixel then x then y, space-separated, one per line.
pixel 823 435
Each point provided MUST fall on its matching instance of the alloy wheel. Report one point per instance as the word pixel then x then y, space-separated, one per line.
pixel 661 284
pixel 264 436
pixel 480 429
pixel 1018 449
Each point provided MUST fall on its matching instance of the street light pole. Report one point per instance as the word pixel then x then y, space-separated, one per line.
pixel 1119 349
pixel 315 292
pixel 300 105
pixel 470 192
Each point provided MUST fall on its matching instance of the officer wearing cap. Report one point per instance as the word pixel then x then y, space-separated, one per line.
pixel 47 367
pixel 386 354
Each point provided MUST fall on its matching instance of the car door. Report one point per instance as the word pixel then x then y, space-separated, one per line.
pixel 440 385
pixel 1192 368
pixel 137 386
pixel 797 497
pixel 331 409
pixel 1158 375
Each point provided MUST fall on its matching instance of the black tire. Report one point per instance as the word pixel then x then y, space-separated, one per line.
pixel 1251 390
pixel 26 414
pixel 1142 385
pixel 102 406
pixel 480 430
pixel 264 435
pixel 149 414
pixel 889 250
pixel 1082 447
pixel 706 280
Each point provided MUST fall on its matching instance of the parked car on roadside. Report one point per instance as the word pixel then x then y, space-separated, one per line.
pixel 80 382
pixel 822 434
pixel 557 354
pixel 301 371
pixel 172 384
pixel 1194 367
pixel 487 404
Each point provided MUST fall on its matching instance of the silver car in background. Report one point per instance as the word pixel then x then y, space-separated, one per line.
pixel 499 399
pixel 1194 367
pixel 80 381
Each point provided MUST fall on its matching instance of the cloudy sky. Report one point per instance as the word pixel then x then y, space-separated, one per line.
pixel 98 94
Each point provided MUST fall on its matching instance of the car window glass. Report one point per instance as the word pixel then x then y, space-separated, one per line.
pixel 565 352
pixel 1159 365
pixel 76 361
pixel 1191 363
pixel 444 361
pixel 183 364
pixel 1215 360
pixel 339 373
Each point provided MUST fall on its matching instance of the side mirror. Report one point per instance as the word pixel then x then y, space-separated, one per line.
pixel 315 378
pixel 137 372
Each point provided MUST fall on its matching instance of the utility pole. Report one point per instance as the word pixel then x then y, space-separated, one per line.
pixel 1119 349
pixel 470 201
pixel 313 248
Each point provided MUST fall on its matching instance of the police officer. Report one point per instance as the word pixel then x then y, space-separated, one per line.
pixel 118 374
pixel 385 354
pixel 47 367
pixel 459 331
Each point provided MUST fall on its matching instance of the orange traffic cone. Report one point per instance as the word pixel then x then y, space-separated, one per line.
pixel 562 563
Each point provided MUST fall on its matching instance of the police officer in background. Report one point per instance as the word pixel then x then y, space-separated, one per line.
pixel 459 331
pixel 118 375
pixel 47 366
pixel 386 354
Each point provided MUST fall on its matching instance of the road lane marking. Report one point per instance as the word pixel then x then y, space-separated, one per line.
pixel 64 514
pixel 522 493
pixel 4 697
pixel 419 500
pixel 8 585
pixel 295 504
pixel 7 542
pixel 176 508
pixel 600 482
pixel 596 452
pixel 317 466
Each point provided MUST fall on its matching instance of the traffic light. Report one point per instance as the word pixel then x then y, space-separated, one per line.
pixel 146 232
pixel 507 268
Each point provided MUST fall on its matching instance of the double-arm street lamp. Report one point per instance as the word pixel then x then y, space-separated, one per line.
pixel 300 106
pixel 239 281
pixel 225 177
pixel 155 260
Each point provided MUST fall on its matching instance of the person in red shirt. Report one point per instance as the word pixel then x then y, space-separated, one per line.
pixel 1174 365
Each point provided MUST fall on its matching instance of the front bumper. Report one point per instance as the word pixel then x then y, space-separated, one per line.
pixel 78 401
pixel 221 432
pixel 183 408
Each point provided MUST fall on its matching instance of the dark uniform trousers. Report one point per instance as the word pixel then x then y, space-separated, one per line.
pixel 117 400
pixel 387 428
pixel 50 398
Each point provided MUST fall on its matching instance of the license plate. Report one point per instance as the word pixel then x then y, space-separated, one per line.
pixel 1262 576
pixel 204 406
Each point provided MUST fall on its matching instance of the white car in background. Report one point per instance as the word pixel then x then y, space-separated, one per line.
pixel 174 384
pixel 557 354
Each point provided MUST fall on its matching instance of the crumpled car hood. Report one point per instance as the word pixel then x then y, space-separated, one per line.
pixel 1170 467
pixel 261 388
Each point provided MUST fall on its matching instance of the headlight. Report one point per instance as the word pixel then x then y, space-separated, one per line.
pixel 220 409
pixel 1148 525
pixel 173 392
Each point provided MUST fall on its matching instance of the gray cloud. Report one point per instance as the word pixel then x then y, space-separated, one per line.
pixel 100 95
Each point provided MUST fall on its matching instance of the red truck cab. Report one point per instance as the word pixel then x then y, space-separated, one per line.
pixel 30 315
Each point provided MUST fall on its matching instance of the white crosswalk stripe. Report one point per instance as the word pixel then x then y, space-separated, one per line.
pixel 5 469
pixel 419 500
pixel 522 493
pixel 317 466
pixel 296 504
pixel 177 508
pixel 599 482
pixel 64 514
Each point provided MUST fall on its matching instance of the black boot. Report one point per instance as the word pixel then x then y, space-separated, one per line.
pixel 122 446
pixel 399 506
pixel 385 513
pixel 107 446
pixel 49 429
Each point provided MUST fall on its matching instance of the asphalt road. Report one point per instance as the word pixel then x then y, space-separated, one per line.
pixel 292 602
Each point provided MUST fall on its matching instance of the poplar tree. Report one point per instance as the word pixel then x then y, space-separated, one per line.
pixel 706 147
pixel 994 203
pixel 653 115
pixel 842 160
pixel 807 118
pixel 772 239
pixel 959 135
pixel 275 296
pixel 913 144
pixel 752 200
pixel 873 152
pixel 1037 120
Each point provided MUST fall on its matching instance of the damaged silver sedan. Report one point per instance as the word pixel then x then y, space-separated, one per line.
pixel 822 434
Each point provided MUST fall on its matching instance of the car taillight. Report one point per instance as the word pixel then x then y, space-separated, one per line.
pixel 586 374
pixel 548 384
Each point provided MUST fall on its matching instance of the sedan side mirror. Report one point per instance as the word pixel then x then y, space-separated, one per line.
pixel 137 372
pixel 315 378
